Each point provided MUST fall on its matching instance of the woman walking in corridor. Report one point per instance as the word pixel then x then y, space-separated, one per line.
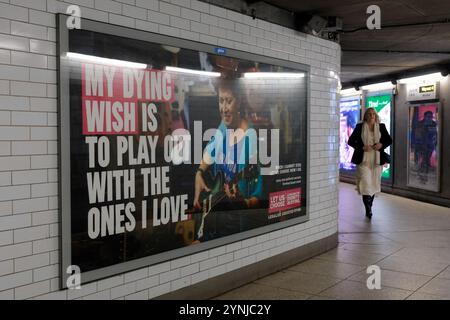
pixel 369 139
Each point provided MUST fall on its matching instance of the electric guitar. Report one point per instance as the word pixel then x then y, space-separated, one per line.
pixel 209 200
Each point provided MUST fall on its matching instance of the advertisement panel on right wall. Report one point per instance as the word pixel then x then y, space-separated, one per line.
pixel 423 146
pixel 383 106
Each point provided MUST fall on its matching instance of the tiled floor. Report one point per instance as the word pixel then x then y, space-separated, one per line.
pixel 408 240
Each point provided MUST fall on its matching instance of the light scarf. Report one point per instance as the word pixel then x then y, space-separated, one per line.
pixel 366 140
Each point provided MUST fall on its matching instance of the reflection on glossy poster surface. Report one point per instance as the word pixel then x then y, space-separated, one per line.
pixel 165 157
pixel 383 106
pixel 349 117
pixel 423 147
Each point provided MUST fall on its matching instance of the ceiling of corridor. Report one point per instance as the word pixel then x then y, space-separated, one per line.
pixel 367 54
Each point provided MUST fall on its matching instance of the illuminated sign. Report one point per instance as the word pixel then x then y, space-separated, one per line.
pixel 419 92
pixel 349 117
pixel 139 138
pixel 383 106
pixel 426 89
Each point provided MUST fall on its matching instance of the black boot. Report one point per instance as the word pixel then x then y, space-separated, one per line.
pixel 371 203
pixel 368 205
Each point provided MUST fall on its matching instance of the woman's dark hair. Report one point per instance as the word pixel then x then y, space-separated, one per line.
pixel 233 86
pixel 228 84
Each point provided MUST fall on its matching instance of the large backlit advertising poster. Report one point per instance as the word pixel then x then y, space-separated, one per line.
pixel 350 109
pixel 175 149
pixel 423 146
pixel 383 106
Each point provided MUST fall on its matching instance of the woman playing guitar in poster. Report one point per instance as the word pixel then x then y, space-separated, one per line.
pixel 238 184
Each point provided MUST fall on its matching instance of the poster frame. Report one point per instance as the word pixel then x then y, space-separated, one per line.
pixel 342 172
pixel 385 181
pixel 417 104
pixel 64 164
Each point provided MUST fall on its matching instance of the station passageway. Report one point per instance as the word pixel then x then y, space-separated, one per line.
pixel 407 239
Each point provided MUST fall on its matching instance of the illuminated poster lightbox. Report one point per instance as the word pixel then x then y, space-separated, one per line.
pixel 383 106
pixel 168 148
pixel 349 117
pixel 424 146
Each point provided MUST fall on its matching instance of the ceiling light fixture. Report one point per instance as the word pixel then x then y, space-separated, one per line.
pixel 432 77
pixel 273 75
pixel 350 92
pixel 378 86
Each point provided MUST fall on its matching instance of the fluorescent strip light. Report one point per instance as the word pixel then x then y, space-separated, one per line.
pixel 190 71
pixel 378 86
pixel 350 92
pixel 432 77
pixel 273 75
pixel 100 60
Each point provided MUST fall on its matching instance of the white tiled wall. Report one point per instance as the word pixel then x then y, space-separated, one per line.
pixel 29 237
